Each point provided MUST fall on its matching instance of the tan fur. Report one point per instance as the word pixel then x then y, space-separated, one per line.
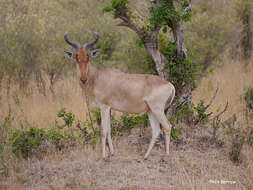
pixel 121 91
pixel 108 89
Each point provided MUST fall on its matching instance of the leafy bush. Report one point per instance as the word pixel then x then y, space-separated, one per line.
pixel 127 122
pixel 201 112
pixel 118 6
pixel 238 140
pixel 25 142
pixel 249 98
pixel 250 138
pixel 175 133
pixel 54 136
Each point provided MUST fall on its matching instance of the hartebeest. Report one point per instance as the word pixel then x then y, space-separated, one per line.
pixel 108 88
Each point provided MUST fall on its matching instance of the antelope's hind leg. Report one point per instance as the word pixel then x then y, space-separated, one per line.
pixel 155 125
pixel 158 111
pixel 167 129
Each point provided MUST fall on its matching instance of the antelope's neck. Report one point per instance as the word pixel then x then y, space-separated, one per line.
pixel 92 72
pixel 91 77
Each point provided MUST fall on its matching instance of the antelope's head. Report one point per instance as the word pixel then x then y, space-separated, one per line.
pixel 82 55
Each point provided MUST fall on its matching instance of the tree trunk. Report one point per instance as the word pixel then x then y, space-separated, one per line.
pixel 184 94
pixel 178 36
pixel 159 59
pixel 150 40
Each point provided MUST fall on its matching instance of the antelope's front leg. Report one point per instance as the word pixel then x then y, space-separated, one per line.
pixel 105 116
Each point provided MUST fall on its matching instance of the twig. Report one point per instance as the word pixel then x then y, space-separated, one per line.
pixel 212 99
pixel 216 123
pixel 219 114
pixel 83 130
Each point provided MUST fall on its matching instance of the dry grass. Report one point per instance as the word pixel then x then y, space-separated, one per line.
pixel 188 167
pixel 42 111
pixel 233 78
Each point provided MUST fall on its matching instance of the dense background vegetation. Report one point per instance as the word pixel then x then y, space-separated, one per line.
pixel 32 36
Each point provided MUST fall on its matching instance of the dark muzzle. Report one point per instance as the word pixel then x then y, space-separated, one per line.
pixel 83 80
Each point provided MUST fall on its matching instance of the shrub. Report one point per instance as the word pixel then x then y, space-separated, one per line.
pixel 175 133
pixel 127 122
pixel 25 142
pixel 249 98
pixel 54 136
pixel 237 144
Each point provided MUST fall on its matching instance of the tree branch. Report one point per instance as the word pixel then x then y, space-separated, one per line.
pixel 219 114
pixel 127 22
pixel 211 101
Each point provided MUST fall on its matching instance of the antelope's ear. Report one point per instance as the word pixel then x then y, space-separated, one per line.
pixel 69 54
pixel 94 53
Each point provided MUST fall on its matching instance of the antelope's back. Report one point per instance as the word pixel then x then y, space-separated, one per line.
pixel 126 92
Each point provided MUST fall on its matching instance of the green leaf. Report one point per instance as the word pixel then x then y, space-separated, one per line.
pixel 165 29
pixel 107 9
pixel 204 9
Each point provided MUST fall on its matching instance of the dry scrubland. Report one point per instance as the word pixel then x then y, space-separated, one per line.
pixel 192 162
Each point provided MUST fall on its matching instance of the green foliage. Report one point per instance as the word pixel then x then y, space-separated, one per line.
pixel 127 122
pixel 248 97
pixel 182 111
pixel 194 114
pixel 96 115
pixel 250 138
pixel 68 118
pixel 24 142
pixel 166 14
pixel 242 8
pixel 150 67
pixel 175 133
pixel 140 42
pixel 124 125
pixel 201 111
pixel 118 6
pixel 161 16
pixel 56 137
pixel 182 72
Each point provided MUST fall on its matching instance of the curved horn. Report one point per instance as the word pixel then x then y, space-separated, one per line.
pixel 90 44
pixel 74 45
